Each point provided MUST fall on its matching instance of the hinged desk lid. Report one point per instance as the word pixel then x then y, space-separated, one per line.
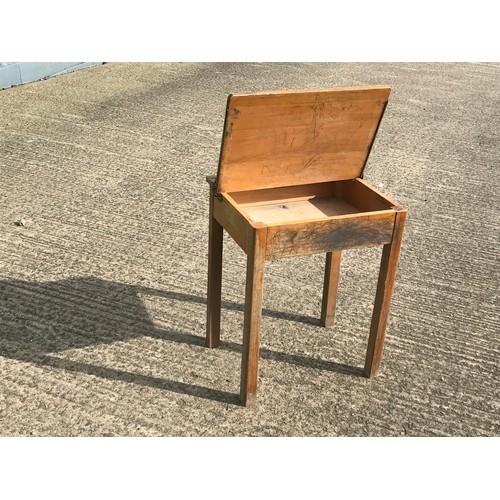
pixel 298 137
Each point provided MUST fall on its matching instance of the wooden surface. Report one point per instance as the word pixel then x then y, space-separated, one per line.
pixel 330 286
pixel 385 287
pixel 215 246
pixel 253 313
pixel 288 211
pixel 364 196
pixel 232 220
pixel 310 201
pixel 298 137
pixel 357 192
pixel 337 233
pixel 288 193
pixel 289 184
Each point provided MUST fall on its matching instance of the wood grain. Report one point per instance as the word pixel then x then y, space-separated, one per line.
pixel 297 210
pixel 287 193
pixel 330 286
pixel 215 248
pixel 336 233
pixel 357 192
pixel 253 313
pixel 289 184
pixel 290 138
pixel 232 220
pixel 364 196
pixel 385 287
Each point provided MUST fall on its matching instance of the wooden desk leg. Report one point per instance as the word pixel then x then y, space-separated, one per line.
pixel 385 287
pixel 330 286
pixel 253 314
pixel 214 277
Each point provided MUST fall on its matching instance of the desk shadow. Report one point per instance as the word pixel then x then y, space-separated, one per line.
pixel 38 320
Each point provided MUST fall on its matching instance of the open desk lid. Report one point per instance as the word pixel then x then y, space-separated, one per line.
pixel 294 137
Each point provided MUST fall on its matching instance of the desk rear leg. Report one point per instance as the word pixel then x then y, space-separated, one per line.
pixel 215 240
pixel 330 287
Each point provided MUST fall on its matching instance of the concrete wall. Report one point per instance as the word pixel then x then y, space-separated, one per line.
pixel 16 73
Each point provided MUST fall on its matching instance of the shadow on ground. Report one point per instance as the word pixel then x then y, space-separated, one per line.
pixel 39 320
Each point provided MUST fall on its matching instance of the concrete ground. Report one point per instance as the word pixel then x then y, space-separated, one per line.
pixel 102 291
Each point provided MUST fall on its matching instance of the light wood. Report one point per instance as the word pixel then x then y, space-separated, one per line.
pixel 253 313
pixel 385 287
pixel 215 247
pixel 297 210
pixel 279 139
pixel 334 233
pixel 289 183
pixel 357 192
pixel 281 194
pixel 364 196
pixel 234 221
pixel 330 287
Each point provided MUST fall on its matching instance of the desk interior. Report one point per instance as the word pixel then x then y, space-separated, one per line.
pixel 312 201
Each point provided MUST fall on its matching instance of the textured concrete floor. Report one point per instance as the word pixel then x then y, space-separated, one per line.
pixel 102 292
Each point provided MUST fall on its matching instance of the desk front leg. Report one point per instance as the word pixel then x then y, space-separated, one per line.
pixel 253 314
pixel 385 287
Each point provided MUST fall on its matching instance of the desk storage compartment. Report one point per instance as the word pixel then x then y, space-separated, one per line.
pixel 310 201
pixel 320 217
